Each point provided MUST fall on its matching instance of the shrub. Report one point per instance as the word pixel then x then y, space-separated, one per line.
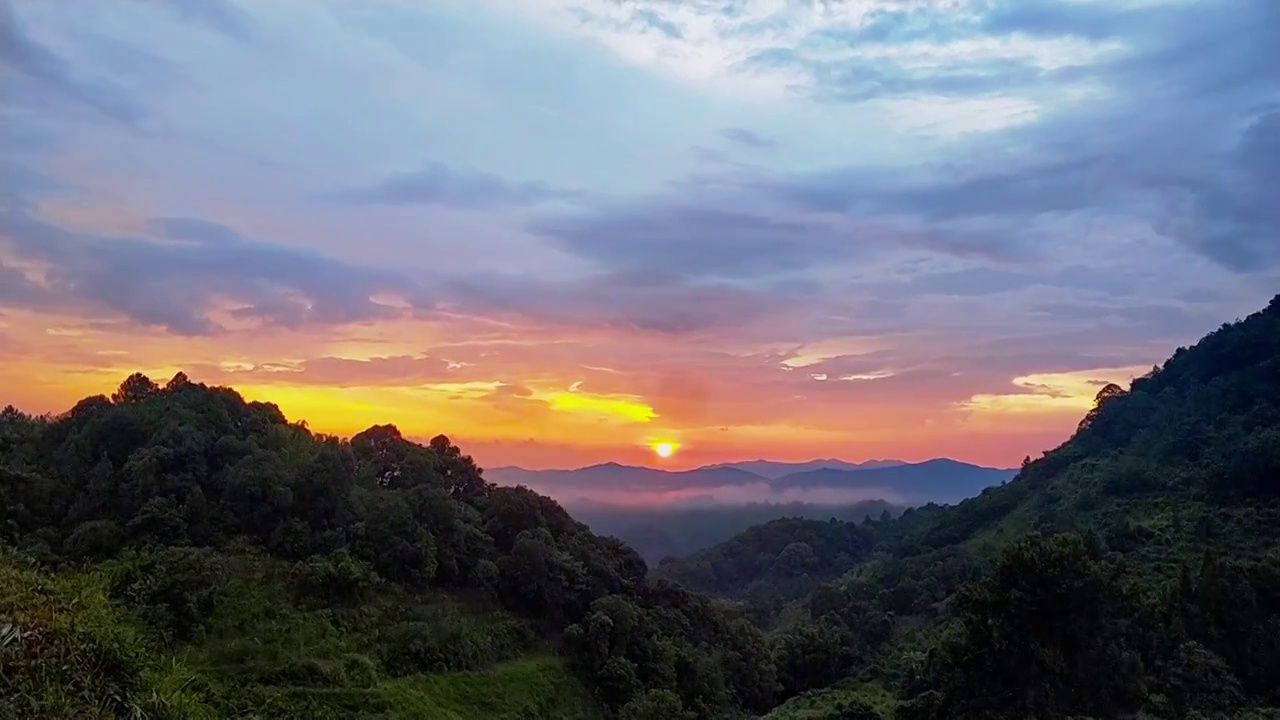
pixel 338 579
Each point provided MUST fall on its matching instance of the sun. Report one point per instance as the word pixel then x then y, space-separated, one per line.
pixel 664 449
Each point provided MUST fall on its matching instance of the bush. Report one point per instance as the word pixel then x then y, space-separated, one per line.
pixel 174 590
pixel 95 540
pixel 361 671
pixel 337 580
pixel 655 705
pixel 445 646
pixel 64 652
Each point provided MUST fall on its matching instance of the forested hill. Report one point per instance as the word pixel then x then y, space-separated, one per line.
pixel 1134 571
pixel 176 552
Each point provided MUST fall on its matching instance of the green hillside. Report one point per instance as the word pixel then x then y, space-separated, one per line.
pixel 69 652
pixel 176 552
pixel 1134 571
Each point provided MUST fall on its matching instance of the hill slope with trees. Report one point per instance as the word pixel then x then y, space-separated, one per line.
pixel 175 551
pixel 1134 571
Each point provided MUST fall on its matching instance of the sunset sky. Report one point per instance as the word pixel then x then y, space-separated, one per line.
pixel 562 232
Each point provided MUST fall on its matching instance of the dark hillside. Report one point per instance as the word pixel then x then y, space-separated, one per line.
pixel 178 552
pixel 784 560
pixel 1132 571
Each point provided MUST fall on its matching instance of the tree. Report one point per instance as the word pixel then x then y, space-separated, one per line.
pixel 1109 392
pixel 1048 634
pixel 383 449
pixel 655 705
pixel 795 560
pixel 338 580
pixel 811 656
pixel 136 388
pixel 458 473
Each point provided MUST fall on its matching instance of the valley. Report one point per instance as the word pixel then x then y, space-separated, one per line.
pixel 662 513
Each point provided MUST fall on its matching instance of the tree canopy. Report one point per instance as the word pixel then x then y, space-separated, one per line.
pixel 175 490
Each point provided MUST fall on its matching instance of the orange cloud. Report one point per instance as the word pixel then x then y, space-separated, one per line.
pixel 554 396
pixel 1063 392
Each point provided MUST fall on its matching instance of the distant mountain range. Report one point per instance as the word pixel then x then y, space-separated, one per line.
pixel 940 480
pixel 774 470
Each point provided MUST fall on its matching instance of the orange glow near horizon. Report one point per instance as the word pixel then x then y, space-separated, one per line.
pixel 541 398
pixel 557 397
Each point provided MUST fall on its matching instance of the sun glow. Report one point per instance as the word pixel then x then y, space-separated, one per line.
pixel 664 449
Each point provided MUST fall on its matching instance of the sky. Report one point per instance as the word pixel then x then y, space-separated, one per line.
pixel 563 231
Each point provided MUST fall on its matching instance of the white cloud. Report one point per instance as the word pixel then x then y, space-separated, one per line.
pixel 874 375
pixel 713 43
pixel 949 117
pixel 816 352
pixel 1042 53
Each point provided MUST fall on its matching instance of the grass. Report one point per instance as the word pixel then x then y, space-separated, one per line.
pixel 524 689
pixel 68 651
pixel 397 654
pixel 865 702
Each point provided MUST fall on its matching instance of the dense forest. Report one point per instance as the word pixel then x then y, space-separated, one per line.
pixel 176 552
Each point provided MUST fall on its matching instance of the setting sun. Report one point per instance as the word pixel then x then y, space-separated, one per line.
pixel 664 449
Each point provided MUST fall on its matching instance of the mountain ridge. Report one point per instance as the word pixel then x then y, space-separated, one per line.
pixel 773 469
pixel 940 480
pixel 933 480
pixel 816 463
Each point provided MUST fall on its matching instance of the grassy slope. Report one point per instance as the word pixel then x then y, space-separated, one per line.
pixel 536 686
pixel 72 653
pixel 863 703
pixel 67 652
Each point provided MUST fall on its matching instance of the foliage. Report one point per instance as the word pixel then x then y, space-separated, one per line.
pixel 312 577
pixel 1134 571
pixel 66 652
pixel 837 703
pixel 533 687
